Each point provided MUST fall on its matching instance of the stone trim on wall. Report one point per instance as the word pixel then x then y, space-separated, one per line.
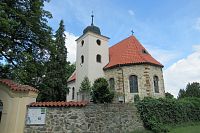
pixel 144 73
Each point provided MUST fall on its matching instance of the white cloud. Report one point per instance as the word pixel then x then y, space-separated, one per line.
pixel 71 46
pixel 162 55
pixel 197 24
pixel 183 71
pixel 131 12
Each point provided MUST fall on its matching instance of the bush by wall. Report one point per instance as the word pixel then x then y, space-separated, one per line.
pixel 101 93
pixel 157 114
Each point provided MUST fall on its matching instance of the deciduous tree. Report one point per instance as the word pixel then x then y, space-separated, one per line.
pixel 25 39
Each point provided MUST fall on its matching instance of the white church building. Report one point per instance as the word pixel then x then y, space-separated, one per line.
pixel 127 65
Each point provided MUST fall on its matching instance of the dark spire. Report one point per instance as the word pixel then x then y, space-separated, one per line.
pixel 92 18
pixel 92 27
pixel 132 32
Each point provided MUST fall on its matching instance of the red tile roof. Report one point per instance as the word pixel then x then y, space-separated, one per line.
pixel 129 51
pixel 72 77
pixel 58 104
pixel 17 87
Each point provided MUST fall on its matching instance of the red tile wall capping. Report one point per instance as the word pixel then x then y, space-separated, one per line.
pixel 17 87
pixel 58 104
pixel 129 51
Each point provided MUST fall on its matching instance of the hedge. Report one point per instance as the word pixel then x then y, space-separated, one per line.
pixel 157 114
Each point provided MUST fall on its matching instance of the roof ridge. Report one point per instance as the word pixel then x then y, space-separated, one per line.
pixel 121 41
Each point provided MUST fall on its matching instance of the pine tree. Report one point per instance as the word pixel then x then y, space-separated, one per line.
pixel 25 39
pixel 85 85
pixel 54 87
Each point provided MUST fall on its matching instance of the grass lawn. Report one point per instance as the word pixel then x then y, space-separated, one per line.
pixel 187 129
pixel 142 131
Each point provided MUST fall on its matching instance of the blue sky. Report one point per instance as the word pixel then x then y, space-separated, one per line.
pixel 169 29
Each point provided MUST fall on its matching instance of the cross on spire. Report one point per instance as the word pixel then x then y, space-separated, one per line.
pixel 132 32
pixel 92 18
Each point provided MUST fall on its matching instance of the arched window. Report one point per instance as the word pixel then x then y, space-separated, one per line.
pixel 1 109
pixel 73 93
pixel 98 58
pixel 133 81
pixel 98 42
pixel 155 82
pixel 112 83
pixel 82 42
pixel 82 59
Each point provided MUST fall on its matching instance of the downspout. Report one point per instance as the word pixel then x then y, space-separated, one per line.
pixel 122 81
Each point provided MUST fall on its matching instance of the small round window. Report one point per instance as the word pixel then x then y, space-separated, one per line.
pixel 82 42
pixel 98 42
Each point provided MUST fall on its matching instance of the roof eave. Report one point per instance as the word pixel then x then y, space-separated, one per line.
pixel 92 33
pixel 70 81
pixel 129 64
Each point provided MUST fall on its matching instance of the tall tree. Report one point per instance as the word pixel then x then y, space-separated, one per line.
pixel 70 69
pixel 169 95
pixel 54 87
pixel 192 90
pixel 25 38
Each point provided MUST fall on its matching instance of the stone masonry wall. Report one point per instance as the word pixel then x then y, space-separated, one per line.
pixel 94 118
pixel 145 74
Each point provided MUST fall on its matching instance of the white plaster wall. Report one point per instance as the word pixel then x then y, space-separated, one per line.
pixel 96 68
pixel 89 50
pixel 81 69
pixel 14 109
pixel 69 95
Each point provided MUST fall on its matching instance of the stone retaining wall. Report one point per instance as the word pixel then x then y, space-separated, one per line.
pixel 93 118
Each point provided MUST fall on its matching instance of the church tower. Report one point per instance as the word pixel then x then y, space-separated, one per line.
pixel 92 54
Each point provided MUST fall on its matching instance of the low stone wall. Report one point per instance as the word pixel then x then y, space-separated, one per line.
pixel 93 118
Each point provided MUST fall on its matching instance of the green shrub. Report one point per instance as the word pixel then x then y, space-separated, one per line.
pixel 136 98
pixel 85 85
pixel 157 114
pixel 85 89
pixel 169 95
pixel 101 92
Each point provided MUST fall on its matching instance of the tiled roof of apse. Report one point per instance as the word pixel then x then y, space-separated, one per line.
pixel 129 51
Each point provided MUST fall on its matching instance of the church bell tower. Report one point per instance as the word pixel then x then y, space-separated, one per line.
pixel 92 54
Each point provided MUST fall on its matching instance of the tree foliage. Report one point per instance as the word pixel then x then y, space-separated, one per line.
pixel 5 71
pixel 54 86
pixel 25 38
pixel 159 114
pixel 192 90
pixel 85 85
pixel 169 95
pixel 28 53
pixel 101 93
pixel 70 69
